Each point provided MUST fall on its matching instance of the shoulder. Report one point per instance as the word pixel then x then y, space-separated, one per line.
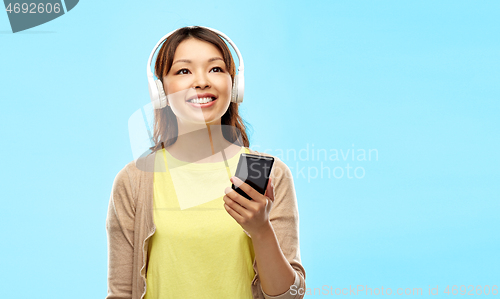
pixel 136 173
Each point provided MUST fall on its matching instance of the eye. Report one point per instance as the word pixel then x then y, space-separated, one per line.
pixel 182 72
pixel 218 69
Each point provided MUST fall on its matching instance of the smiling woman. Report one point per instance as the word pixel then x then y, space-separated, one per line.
pixel 176 232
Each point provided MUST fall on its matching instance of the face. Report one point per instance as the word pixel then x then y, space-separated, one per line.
pixel 198 72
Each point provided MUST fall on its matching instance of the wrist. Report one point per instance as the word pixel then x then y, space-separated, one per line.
pixel 264 231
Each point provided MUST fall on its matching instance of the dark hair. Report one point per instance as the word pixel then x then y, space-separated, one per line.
pixel 165 121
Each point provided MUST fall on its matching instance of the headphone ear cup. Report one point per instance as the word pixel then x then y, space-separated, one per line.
pixel 234 90
pixel 162 97
pixel 241 87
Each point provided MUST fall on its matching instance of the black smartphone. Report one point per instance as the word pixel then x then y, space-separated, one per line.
pixel 255 171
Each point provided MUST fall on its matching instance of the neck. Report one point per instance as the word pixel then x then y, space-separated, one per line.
pixel 197 142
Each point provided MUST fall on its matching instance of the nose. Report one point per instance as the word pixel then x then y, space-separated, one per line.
pixel 201 81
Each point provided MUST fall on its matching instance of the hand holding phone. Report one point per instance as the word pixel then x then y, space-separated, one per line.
pixel 255 171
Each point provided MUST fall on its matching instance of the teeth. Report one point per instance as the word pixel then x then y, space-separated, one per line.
pixel 201 100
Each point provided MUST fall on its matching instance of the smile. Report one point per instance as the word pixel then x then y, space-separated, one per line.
pixel 202 100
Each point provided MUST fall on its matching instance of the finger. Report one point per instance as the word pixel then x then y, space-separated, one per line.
pixel 235 207
pixel 229 190
pixel 270 190
pixel 254 194
pixel 233 213
pixel 242 201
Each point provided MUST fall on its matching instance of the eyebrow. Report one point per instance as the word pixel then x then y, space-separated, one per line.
pixel 189 61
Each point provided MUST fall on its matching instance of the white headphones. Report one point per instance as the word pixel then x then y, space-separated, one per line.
pixel 157 93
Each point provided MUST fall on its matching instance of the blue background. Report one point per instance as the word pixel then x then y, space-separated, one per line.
pixel 418 81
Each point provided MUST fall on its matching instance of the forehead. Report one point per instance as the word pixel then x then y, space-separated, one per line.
pixel 195 49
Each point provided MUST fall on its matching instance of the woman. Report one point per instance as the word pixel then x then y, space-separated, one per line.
pixel 168 235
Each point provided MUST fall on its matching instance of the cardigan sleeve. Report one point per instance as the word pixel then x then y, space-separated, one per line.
pixel 120 235
pixel 284 217
pixel 293 291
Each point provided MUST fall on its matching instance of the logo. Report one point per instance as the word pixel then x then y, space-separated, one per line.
pixel 26 15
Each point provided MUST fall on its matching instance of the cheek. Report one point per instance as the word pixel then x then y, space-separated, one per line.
pixel 176 89
pixel 225 84
pixel 172 86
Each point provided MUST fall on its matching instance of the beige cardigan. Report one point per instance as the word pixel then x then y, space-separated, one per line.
pixel 129 225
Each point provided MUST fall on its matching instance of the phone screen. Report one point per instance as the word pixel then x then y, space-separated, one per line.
pixel 255 171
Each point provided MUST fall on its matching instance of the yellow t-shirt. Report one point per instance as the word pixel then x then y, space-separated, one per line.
pixel 198 250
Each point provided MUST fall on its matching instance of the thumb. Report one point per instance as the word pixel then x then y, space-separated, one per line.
pixel 270 190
